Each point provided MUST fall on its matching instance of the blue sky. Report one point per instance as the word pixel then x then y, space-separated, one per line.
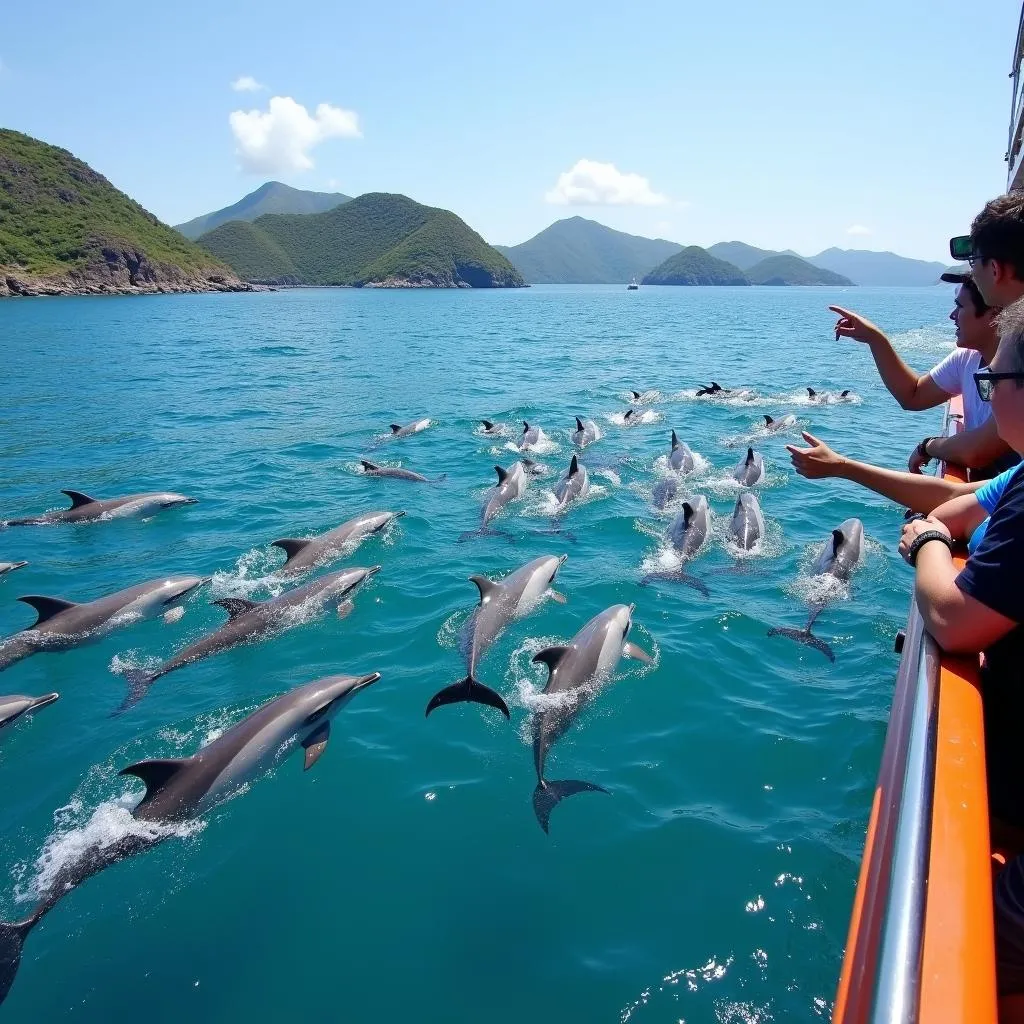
pixel 784 124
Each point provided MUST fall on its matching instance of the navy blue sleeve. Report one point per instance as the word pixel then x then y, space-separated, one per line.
pixel 994 574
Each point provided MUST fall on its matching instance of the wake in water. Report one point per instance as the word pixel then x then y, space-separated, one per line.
pixel 633 419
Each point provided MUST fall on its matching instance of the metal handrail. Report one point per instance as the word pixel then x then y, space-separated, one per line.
pixel 1014 149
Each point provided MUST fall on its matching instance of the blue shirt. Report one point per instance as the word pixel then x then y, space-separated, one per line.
pixel 993 575
pixel 988 496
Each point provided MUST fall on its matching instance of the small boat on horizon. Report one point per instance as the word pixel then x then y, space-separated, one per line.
pixel 632 286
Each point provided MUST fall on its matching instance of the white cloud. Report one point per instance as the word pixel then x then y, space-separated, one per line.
pixel 246 83
pixel 858 229
pixel 280 138
pixel 591 183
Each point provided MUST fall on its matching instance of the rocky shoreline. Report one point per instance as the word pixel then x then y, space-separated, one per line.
pixel 122 271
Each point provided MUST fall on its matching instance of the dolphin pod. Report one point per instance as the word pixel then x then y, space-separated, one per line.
pixel 750 469
pixel 89 510
pixel 575 672
pixel 312 552
pixel 181 789
pixel 250 621
pixel 501 603
pixel 14 706
pixel 511 485
pixel 61 625
pixel 838 558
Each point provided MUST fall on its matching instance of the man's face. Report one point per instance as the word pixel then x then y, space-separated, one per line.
pixel 1007 398
pixel 972 330
pixel 985 279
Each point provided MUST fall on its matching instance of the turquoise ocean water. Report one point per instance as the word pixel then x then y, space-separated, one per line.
pixel 405 877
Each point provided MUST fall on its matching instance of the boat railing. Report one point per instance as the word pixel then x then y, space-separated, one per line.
pixel 920 944
pixel 1014 147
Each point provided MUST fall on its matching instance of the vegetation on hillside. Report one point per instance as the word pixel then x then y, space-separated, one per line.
pixel 792 270
pixel 372 239
pixel 696 266
pixel 57 215
pixel 580 251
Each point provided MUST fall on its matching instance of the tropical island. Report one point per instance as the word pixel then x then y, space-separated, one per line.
pixel 696 266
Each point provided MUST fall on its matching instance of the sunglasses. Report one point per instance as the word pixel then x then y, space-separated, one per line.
pixel 985 382
pixel 960 249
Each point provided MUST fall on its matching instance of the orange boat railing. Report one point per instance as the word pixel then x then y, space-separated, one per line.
pixel 920 945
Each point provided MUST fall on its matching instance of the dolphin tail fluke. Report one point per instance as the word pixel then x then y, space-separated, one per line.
pixel 139 681
pixel 12 938
pixel 805 636
pixel 550 793
pixel 468 690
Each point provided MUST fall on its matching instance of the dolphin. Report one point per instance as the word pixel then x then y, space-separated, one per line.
pixel 575 673
pixel 61 625
pixel 845 394
pixel 586 432
pixel 312 552
pixel 16 705
pixel 574 486
pixel 181 789
pixel 397 430
pixel 838 558
pixel 6 567
pixel 512 484
pixel 88 510
pixel 501 603
pixel 531 436
pixel 395 473
pixel 490 428
pixel 630 418
pixel 687 534
pixel 252 621
pixel 665 491
pixel 635 396
pixel 681 457
pixel 747 525
pixel 812 394
pixel 749 470
pixel 714 389
pixel 774 425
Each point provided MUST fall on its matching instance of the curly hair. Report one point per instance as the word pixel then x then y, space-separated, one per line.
pixel 998 232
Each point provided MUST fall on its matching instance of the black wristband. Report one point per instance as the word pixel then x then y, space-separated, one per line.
pixel 922 449
pixel 923 538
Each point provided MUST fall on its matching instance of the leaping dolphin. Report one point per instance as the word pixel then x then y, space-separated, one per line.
pixel 311 552
pixel 88 510
pixel 397 430
pixel 61 624
pixel 575 673
pixel 15 706
pixel 586 432
pixel 747 525
pixel 686 534
pixel 749 470
pixel 251 621
pixel 180 789
pixel 511 485
pixel 501 603
pixel 681 456
pixel 6 567
pixel 838 558
pixel 396 473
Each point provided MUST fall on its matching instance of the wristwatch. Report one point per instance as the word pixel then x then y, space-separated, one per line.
pixel 923 538
pixel 922 449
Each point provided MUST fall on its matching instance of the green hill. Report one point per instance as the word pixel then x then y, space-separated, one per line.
pixel 270 197
pixel 696 266
pixel 64 229
pixel 580 251
pixel 377 239
pixel 792 270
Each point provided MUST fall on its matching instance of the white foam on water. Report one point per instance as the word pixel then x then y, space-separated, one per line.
pixel 648 416
pixel 607 474
pixel 255 573
pixel 544 504
pixel 937 339
pixel 173 615
pixel 126 661
pixel 451 628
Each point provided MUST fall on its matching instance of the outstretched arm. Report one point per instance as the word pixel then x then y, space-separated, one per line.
pixel 913 391
pixel 917 492
pixel 971 448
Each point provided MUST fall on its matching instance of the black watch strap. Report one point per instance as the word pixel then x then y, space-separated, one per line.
pixel 922 448
pixel 923 538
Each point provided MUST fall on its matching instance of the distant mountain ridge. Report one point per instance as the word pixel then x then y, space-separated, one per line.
pixel 787 269
pixel 745 256
pixel 270 197
pixel 581 251
pixel 376 240
pixel 866 267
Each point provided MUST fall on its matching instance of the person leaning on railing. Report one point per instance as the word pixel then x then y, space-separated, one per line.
pixel 980 609
pixel 979 447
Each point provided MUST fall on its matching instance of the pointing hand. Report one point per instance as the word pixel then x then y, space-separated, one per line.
pixel 850 325
pixel 817 461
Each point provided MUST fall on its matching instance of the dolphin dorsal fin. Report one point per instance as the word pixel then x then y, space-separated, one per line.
pixel 291 546
pixel 484 585
pixel 78 499
pixel 750 456
pixel 551 656
pixel 395 427
pixel 837 541
pixel 811 393
pixel 579 423
pixel 716 385
pixel 157 773
pixel 526 427
pixel 768 421
pixel 843 394
pixel 46 607
pixel 488 425
pixel 502 474
pixel 370 467
pixel 635 394
pixel 235 606
pixel 574 466
pixel 675 441
pixel 687 512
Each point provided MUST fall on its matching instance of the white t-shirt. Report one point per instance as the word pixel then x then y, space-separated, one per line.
pixel 955 376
